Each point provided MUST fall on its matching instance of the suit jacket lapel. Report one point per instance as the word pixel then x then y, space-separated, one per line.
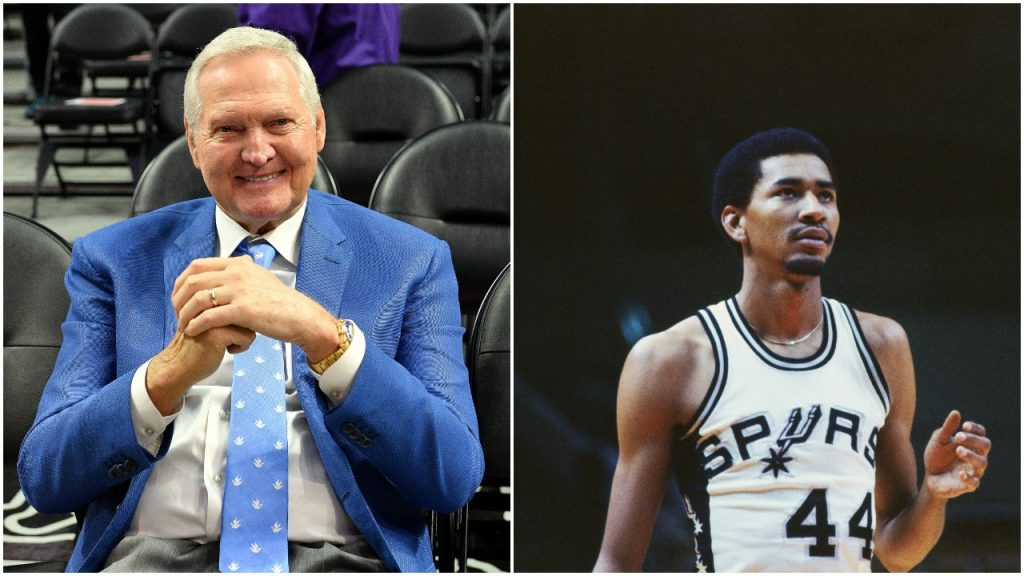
pixel 197 240
pixel 324 257
pixel 324 260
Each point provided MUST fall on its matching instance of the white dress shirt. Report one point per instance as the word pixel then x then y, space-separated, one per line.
pixel 185 490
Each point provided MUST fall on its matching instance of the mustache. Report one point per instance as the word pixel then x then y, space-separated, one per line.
pixel 797 232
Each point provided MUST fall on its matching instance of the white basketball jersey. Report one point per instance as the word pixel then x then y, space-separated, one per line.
pixel 777 468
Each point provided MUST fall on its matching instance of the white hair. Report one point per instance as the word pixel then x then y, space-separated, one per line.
pixel 247 41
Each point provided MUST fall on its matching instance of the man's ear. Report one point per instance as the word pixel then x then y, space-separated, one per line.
pixel 321 128
pixel 734 222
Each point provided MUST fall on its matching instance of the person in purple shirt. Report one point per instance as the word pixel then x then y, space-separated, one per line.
pixel 332 37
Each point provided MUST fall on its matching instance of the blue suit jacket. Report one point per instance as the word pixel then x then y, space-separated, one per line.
pixel 404 439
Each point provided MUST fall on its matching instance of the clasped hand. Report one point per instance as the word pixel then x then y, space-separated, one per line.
pixel 247 296
pixel 249 299
pixel 956 457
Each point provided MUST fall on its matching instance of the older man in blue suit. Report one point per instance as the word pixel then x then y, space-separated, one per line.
pixel 132 429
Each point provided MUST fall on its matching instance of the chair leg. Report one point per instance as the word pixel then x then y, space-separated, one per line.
pixel 60 178
pixel 443 536
pixel 43 160
pixel 462 537
pixel 85 150
pixel 136 156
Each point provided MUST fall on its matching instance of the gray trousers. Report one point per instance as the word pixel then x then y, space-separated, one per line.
pixel 148 554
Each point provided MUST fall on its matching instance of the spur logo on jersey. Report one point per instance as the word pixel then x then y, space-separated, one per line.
pixel 749 438
pixel 797 431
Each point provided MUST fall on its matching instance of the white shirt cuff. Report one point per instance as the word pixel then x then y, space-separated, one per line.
pixel 336 381
pixel 148 423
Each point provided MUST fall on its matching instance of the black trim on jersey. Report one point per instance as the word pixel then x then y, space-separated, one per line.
pixel 693 485
pixel 816 360
pixel 867 356
pixel 707 405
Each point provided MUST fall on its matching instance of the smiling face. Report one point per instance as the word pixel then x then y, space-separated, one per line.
pixel 792 217
pixel 256 142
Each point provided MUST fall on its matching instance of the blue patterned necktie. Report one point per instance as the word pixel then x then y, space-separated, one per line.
pixel 254 523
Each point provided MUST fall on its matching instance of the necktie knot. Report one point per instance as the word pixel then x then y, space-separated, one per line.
pixel 261 252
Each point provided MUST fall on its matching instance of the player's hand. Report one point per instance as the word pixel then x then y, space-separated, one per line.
pixel 252 297
pixel 956 457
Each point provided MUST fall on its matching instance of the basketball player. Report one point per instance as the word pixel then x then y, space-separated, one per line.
pixel 785 415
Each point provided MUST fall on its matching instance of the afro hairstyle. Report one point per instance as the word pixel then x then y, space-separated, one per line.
pixel 740 168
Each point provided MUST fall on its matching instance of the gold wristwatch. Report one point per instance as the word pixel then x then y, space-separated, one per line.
pixel 345 330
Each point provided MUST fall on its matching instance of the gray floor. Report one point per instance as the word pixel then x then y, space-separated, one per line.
pixel 71 216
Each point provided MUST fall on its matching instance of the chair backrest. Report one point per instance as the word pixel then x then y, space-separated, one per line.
pixel 501 31
pixel 156 14
pixel 448 42
pixel 182 36
pixel 189 28
pixel 172 177
pixel 503 107
pixel 440 29
pixel 372 112
pixel 501 39
pixel 453 182
pixel 35 305
pixel 489 375
pixel 102 32
pixel 167 100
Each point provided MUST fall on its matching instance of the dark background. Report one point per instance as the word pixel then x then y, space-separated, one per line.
pixel 621 114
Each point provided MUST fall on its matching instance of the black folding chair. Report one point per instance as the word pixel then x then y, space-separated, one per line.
pixel 372 112
pixel 92 31
pixel 180 39
pixel 453 182
pixel 490 366
pixel 448 41
pixel 35 305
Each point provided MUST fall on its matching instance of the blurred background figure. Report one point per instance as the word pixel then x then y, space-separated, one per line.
pixel 332 37
pixel 36 20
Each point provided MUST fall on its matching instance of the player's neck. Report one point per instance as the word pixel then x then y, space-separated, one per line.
pixel 780 308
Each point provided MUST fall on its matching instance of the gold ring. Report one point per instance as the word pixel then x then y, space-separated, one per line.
pixel 213 297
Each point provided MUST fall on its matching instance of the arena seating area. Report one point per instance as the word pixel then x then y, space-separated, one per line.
pixel 436 126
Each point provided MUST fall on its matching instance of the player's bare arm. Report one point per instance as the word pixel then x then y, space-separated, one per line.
pixel 911 519
pixel 663 381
